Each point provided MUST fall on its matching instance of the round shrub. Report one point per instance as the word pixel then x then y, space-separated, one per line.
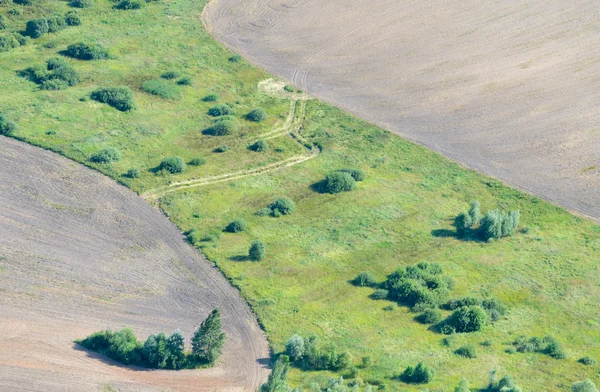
pixel 222 128
pixel 221 149
pixel 210 98
pixel 6 126
pixel 283 205
pixel 365 279
pixel 132 173
pixel 430 316
pixel 120 98
pixel 8 42
pixel 72 19
pixel 129 5
pixel 107 155
pixel 257 115
pixel 169 75
pixel 197 161
pixel 56 23
pixel 37 27
pixel 172 165
pixel 236 226
pixel 83 51
pixel 187 81
pixel 357 174
pixel 257 251
pixel 468 319
pixel 82 3
pixel 586 361
pixel 380 294
pixel 220 110
pixel 338 182
pixel 259 146
pixel 468 351
pixel 264 212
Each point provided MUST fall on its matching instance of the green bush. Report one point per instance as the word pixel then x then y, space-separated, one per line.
pixel 170 75
pixel 357 174
pixel 236 58
pixel 120 98
pixel 259 146
pixel 308 354
pixel 197 161
pixel 37 27
pixel 6 126
pixel 257 251
pixel 185 81
pixel 223 127
pixel 82 3
pixel 129 5
pixel 546 345
pixel 3 22
pixel 587 361
pixel 421 374
pixel 289 88
pixel 337 182
pixel 22 40
pixel 283 206
pixel 257 115
pixel 132 173
pixel 419 286
pixel 210 98
pixel 277 381
pixel 294 348
pixel 463 386
pixel 56 75
pixel 8 42
pixel 221 149
pixel 24 2
pixel 53 84
pixel 468 351
pixel 162 88
pixel 380 294
pixel 107 155
pixel 497 224
pixel 584 386
pixel 220 110
pixel 430 316
pixel 83 51
pixel 236 226
pixel 172 165
pixel 365 279
pixel 56 24
pixel 72 19
pixel 467 319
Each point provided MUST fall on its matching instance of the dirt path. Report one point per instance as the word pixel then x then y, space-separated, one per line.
pixel 505 87
pixel 79 253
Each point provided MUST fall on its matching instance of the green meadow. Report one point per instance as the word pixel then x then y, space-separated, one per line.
pixel 403 212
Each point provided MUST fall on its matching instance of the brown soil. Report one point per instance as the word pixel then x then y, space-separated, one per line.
pixel 507 88
pixel 79 253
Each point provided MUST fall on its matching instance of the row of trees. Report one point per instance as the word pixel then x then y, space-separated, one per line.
pixel 493 225
pixel 161 351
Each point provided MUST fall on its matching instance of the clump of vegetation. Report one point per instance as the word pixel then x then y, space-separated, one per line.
pixel 236 58
pixel 277 381
pixel 365 279
pixel 259 146
pixel 584 386
pixel 257 251
pixel 546 345
pixel 107 155
pixel 185 81
pixel 380 294
pixel 132 173
pixel 129 5
pixel 83 51
pixel 587 361
pixel 56 75
pixel 222 127
pixel 160 351
pixel 495 224
pixel 35 28
pixel 11 41
pixel 493 306
pixel 170 75
pixel 282 206
pixel 210 98
pixel 464 320
pixel 236 226
pixel 172 165
pixel 221 149
pixel 420 374
pixel 257 115
pixel 82 3
pixel 468 351
pixel 162 88
pixel 289 88
pixel 308 354
pixel 463 386
pixel 72 19
pixel 220 110
pixel 3 22
pixel 505 384
pixel 337 182
pixel 120 98
pixel 357 174
pixel 56 24
pixel 430 316
pixel 197 161
pixel 6 126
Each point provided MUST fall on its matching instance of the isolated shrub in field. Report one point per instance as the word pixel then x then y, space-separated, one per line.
pixel 586 361
pixel 430 316
pixel 236 58
pixel 172 165
pixel 83 51
pixel 365 279
pixel 467 319
pixel 257 251
pixel 420 374
pixel 468 351
pixel 132 173
pixel 220 110
pixel 546 345
pixel 294 347
pixel 185 81
pixel 37 27
pixel 120 98
pixel 236 226
pixel 197 161
pixel 169 75
pixel 82 3
pixel 584 386
pixel 210 98
pixel 208 340
pixel 221 149
pixel 497 224
pixel 357 174
pixel 289 88
pixel 337 182
pixel 222 128
pixel 129 5
pixel 380 294
pixel 72 19
pixel 259 146
pixel 419 286
pixel 107 155
pixel 283 206
pixel 56 24
pixel 162 88
pixel 463 386
pixel 463 223
pixel 257 115
pixel 6 126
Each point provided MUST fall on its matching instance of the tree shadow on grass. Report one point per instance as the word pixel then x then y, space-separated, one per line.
pixel 318 187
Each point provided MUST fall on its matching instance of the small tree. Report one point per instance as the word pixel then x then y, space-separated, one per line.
pixel 257 251
pixel 72 19
pixel 491 225
pixel 37 27
pixel 584 386
pixel 463 223
pixel 365 279
pixel 6 126
pixel 236 226
pixel 259 146
pixel 175 347
pixel 468 319
pixel 257 115
pixel 172 165
pixel 277 381
pixel 430 316
pixel 294 347
pixel 208 340
pixel 475 212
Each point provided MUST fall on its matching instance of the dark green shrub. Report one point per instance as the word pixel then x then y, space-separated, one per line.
pixel 172 165
pixel 222 128
pixel 65 73
pixel 357 174
pixel 55 63
pixel 208 340
pixel 310 355
pixel 259 146
pixel 236 58
pixel 463 224
pixel 107 155
pixel 337 182
pixel 132 173
pixel 6 126
pixel 380 294
pixel 56 24
pixel 210 98
pixel 129 5
pixel 390 307
pixel 3 22
pixel 120 98
pixel 463 386
pixel 37 27
pixel 83 51
pixel 289 88
pixel 430 316
pixel 236 226
pixel 72 19
pixel 24 2
pixel 15 12
pixel 421 285
pixel 475 212
pixel 277 380
pixel 461 302
pixel 468 351
pixel 467 319
pixel 264 212
pixel 169 75
pixel 186 81
pixel 295 347
pixel 586 361
pixel 421 374
pixel 283 206
pixel 56 75
pixel 221 149
pixel 546 345
pixel 82 3
pixel 8 42
pixel 162 88
pixel 365 279
pixel 54 84
pixel 257 115
pixel 257 251
pixel 220 110
pixel 22 40
pixel 197 161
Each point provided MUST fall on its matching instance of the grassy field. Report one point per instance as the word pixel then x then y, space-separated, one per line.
pixel 401 214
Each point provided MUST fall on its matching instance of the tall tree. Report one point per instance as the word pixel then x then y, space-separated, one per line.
pixel 208 340
pixel 277 381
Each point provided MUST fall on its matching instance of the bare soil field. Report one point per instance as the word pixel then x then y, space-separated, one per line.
pixel 508 88
pixel 79 253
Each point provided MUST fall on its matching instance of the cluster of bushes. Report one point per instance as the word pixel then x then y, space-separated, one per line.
pixel 107 155
pixel 82 3
pixel 160 351
pixel 495 224
pixel 281 206
pixel 172 165
pixel 236 226
pixel 420 374
pixel 464 320
pixel 163 88
pixel 129 5
pixel 83 51
pixel 494 308
pixel 222 126
pixel 11 41
pixel 6 126
pixel 505 384
pixel 57 74
pixel 419 286
pixel 257 251
pixel 343 180
pixel 121 98
pixel 197 161
pixel 365 279
pixel 220 110
pixel 546 345
pixel 468 351
pixel 259 146
pixel 35 28
pixel 257 115
pixel 308 354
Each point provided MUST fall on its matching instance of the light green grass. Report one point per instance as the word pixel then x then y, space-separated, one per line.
pixel 401 214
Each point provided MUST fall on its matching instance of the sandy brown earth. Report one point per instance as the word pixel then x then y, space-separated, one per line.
pixel 510 88
pixel 79 253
